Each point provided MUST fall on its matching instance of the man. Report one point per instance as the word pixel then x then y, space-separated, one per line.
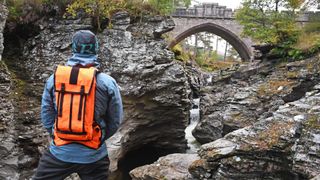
pixel 78 144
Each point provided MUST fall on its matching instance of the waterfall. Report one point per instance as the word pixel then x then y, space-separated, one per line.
pixel 209 79
pixel 193 144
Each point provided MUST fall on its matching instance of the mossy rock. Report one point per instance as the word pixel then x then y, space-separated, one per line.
pixel 313 122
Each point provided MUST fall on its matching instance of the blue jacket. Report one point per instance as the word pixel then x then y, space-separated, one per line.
pixel 108 114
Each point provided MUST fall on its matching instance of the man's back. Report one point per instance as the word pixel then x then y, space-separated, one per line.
pixel 108 113
pixel 63 159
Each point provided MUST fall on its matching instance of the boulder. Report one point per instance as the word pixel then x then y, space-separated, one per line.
pixel 170 167
pixel 252 93
pixel 154 89
pixel 3 17
pixel 8 147
pixel 283 146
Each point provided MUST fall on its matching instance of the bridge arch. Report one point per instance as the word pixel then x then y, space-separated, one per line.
pixel 238 44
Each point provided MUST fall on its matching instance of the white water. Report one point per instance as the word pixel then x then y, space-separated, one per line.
pixel 209 79
pixel 193 145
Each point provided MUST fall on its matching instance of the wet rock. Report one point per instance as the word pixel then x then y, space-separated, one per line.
pixel 282 146
pixel 208 129
pixel 170 167
pixel 252 93
pixel 3 17
pixel 316 178
pixel 8 147
pixel 166 25
pixel 52 46
pixel 120 21
pixel 196 79
pixel 154 90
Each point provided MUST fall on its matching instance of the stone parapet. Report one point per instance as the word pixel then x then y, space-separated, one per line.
pixel 213 10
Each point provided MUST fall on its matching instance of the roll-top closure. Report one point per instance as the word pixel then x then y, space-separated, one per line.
pixel 79 80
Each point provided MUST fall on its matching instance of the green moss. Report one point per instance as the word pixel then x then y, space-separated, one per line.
pixel 272 87
pixel 18 78
pixel 292 74
pixel 313 122
pixel 2 65
pixel 269 137
pixel 180 54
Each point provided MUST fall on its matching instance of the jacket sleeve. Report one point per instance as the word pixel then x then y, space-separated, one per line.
pixel 48 112
pixel 114 111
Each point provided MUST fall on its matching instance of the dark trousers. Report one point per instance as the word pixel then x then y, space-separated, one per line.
pixel 51 168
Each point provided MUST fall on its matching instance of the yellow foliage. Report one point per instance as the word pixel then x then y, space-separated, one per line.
pixel 270 136
pixel 180 54
pixel 307 41
pixel 313 122
pixel 221 65
pixel 96 8
pixel 272 87
pixel 292 74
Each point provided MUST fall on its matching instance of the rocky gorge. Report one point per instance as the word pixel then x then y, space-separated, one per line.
pixel 258 120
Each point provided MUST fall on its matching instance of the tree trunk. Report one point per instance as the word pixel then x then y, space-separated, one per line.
pixel 217 44
pixel 98 23
pixel 196 45
pixel 97 15
pixel 225 52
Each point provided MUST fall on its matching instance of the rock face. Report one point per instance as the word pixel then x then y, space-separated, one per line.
pixel 277 136
pixel 3 17
pixel 170 167
pixel 283 146
pixel 50 47
pixel 20 132
pixel 23 72
pixel 154 89
pixel 242 98
pixel 8 164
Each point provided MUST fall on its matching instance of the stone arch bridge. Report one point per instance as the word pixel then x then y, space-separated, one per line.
pixel 215 19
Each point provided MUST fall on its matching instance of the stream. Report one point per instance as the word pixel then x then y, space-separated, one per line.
pixel 193 144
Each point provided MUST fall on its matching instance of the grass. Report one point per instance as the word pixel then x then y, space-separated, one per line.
pixel 308 41
pixel 267 138
pixel 292 74
pixel 272 87
pixel 313 122
pixel 270 136
pixel 221 65
pixel 180 54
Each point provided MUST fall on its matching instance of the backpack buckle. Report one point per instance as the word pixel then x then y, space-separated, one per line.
pixel 63 87
pixel 82 90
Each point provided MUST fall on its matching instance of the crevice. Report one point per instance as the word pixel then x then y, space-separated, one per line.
pixel 269 158
pixel 300 91
pixel 143 155
pixel 23 98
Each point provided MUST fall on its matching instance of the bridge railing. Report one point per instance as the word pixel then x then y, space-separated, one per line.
pixel 205 10
pixel 214 10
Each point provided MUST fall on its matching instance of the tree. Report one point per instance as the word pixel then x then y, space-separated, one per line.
pixel 233 54
pixel 225 51
pixel 95 8
pixel 265 24
pixel 312 3
pixel 99 9
pixel 168 6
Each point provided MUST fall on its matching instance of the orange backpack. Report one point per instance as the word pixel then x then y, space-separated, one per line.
pixel 75 98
